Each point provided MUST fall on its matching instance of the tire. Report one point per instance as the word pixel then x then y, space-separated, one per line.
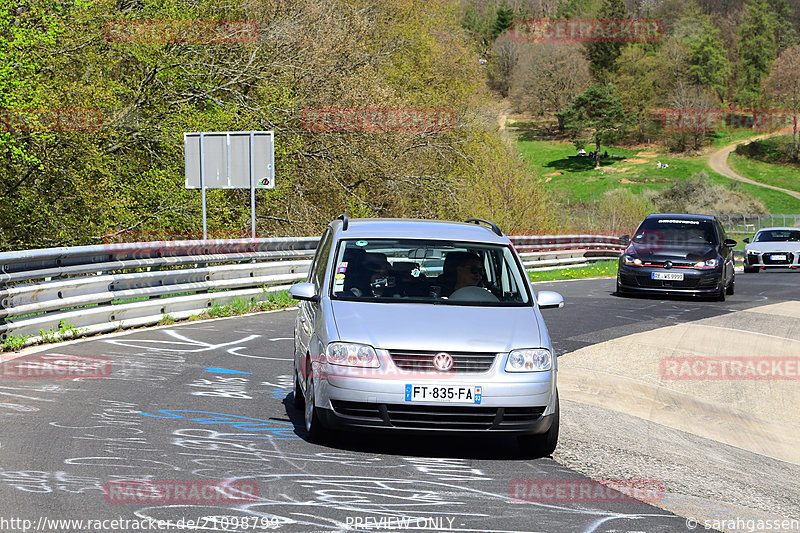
pixel 720 296
pixel 619 289
pixel 731 286
pixel 544 444
pixel 751 270
pixel 298 400
pixel 314 430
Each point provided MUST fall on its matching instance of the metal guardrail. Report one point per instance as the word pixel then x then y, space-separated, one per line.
pixel 84 290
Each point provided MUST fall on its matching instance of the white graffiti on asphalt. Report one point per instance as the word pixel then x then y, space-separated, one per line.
pixel 180 343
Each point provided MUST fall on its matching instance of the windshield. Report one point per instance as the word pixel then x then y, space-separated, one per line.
pixel 440 272
pixel 778 235
pixel 678 232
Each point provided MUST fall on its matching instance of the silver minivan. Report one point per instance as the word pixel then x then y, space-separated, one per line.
pixel 421 325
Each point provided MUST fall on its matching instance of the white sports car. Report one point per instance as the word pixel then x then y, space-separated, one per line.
pixel 773 247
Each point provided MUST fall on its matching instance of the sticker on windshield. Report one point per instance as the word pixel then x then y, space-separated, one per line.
pixel 361 243
pixel 342 268
pixel 670 221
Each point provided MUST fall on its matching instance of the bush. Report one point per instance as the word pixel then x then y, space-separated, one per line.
pixel 770 150
pixel 698 195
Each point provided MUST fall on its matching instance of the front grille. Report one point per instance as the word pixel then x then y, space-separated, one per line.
pixel 422 361
pixel 766 258
pixel 438 417
pixel 441 417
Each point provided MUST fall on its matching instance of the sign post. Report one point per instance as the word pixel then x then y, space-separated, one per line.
pixel 230 160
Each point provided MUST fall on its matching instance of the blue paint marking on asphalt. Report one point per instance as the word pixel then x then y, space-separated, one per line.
pixel 215 370
pixel 279 430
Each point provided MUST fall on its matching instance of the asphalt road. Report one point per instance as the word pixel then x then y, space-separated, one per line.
pixel 211 401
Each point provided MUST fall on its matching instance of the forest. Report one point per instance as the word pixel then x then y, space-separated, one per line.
pixel 95 96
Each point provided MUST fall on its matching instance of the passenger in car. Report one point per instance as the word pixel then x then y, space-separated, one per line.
pixel 380 281
pixel 368 275
pixel 461 269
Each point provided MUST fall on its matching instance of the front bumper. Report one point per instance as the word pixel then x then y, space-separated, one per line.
pixel 518 403
pixel 765 260
pixel 695 281
pixel 362 416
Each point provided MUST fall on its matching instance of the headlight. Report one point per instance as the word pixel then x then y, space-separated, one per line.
pixel 711 263
pixel 630 260
pixel 530 360
pixel 754 252
pixel 351 354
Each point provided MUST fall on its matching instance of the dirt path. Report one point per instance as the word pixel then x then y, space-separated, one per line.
pixel 719 163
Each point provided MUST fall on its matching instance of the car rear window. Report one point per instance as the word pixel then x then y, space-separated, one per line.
pixel 437 272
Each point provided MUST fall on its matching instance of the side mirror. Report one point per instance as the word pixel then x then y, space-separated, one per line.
pixel 746 240
pixel 730 243
pixel 625 239
pixel 304 291
pixel 549 300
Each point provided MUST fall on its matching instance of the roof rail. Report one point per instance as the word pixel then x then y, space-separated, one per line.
pixel 345 221
pixel 492 225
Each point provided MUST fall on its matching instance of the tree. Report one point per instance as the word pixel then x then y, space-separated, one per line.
pixel 597 109
pixel 502 21
pixel 549 76
pixel 757 49
pixel 577 9
pixel 708 62
pixel 783 86
pixel 636 85
pixel 686 96
pixel 785 34
pixel 504 62
pixel 603 55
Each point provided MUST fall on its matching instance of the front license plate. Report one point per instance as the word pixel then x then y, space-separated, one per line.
pixel 443 393
pixel 778 257
pixel 668 276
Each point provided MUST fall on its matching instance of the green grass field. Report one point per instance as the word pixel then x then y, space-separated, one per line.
pixel 720 139
pixel 784 176
pixel 601 269
pixel 576 179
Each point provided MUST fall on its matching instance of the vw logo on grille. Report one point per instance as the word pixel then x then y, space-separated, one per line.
pixel 443 361
pixel 668 264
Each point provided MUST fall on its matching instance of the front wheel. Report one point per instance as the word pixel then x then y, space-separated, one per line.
pixel 314 429
pixel 619 289
pixel 731 288
pixel 544 444
pixel 720 295
pixel 298 400
pixel 751 270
